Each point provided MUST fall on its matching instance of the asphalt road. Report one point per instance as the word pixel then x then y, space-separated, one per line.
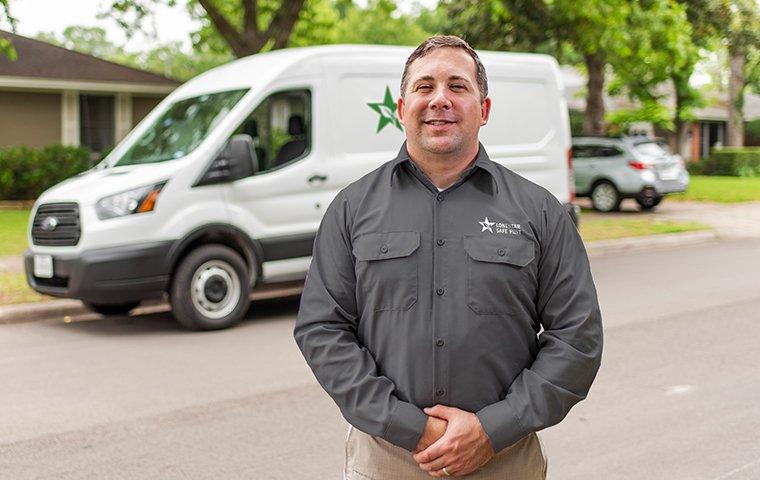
pixel 677 396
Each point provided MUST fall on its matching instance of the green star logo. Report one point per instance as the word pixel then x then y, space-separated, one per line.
pixel 387 111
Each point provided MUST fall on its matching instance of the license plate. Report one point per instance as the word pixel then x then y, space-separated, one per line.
pixel 671 174
pixel 43 266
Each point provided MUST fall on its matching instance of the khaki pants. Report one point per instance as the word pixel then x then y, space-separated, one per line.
pixel 372 458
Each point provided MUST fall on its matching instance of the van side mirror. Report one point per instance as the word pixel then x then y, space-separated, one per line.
pixel 236 160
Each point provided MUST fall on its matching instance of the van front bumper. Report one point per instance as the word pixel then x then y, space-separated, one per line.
pixel 106 275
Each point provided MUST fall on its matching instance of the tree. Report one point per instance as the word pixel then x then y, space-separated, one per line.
pixel 6 48
pixel 741 36
pixel 589 32
pixel 90 40
pixel 661 49
pixel 246 26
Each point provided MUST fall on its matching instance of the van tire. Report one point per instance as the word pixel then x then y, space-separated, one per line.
pixel 113 309
pixel 210 288
pixel 605 197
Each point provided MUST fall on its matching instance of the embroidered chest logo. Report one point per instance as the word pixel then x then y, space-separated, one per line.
pixel 498 227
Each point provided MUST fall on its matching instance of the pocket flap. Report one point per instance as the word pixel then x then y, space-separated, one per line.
pixel 511 250
pixel 379 246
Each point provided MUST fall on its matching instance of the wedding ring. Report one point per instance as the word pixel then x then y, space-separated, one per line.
pixel 446 472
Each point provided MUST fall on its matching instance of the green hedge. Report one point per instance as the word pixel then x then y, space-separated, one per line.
pixel 27 172
pixel 733 162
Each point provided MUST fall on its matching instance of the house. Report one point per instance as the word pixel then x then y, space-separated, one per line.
pixel 706 131
pixel 52 95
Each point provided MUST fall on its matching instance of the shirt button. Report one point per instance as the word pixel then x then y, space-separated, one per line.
pixel 501 252
pixel 440 242
pixel 439 291
pixel 440 392
pixel 440 342
pixel 384 249
pixel 439 197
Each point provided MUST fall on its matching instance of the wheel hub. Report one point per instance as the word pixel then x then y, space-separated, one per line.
pixel 215 289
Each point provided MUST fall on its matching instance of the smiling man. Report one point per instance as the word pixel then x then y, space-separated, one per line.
pixel 421 317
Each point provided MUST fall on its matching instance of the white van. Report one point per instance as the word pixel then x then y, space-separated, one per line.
pixel 221 188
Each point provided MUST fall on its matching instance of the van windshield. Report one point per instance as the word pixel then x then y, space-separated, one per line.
pixel 181 128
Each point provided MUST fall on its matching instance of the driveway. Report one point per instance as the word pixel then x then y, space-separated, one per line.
pixel 737 220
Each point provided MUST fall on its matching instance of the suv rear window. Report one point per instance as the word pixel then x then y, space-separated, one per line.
pixel 650 149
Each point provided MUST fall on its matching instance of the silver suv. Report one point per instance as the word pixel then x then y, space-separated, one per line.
pixel 611 169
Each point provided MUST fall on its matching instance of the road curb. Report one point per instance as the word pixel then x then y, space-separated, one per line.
pixel 45 310
pixel 60 309
pixel 649 242
pixel 63 308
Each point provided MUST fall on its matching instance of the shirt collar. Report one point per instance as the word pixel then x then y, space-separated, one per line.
pixel 482 161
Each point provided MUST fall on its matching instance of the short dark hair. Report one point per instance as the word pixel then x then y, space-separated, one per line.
pixel 447 41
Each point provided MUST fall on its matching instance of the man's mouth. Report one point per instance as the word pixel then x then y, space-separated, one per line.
pixel 438 122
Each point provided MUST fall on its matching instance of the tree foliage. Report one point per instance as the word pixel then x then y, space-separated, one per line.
pixel 6 48
pixel 245 26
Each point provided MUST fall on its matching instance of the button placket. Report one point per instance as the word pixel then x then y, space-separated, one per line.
pixel 439 329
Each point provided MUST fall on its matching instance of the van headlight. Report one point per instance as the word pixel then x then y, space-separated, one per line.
pixel 138 200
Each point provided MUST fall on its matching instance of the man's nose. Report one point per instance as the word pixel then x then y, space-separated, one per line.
pixel 440 99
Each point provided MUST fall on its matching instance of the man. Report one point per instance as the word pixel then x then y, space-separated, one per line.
pixel 423 328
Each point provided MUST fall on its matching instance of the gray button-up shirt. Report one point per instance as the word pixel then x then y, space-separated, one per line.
pixel 417 297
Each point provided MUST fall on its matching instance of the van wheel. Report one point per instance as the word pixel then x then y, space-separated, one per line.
pixel 111 309
pixel 210 289
pixel 605 197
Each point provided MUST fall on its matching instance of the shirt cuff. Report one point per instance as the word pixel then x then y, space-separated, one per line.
pixel 501 424
pixel 406 426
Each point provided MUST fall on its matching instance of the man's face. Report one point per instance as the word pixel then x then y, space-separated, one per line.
pixel 441 108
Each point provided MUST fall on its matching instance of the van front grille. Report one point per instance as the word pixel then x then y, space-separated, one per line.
pixel 56 225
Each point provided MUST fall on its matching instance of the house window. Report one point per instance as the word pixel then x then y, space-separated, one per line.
pixel 96 122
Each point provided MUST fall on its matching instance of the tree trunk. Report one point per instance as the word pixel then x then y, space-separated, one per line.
pixel 679 141
pixel 681 138
pixel 735 131
pixel 593 123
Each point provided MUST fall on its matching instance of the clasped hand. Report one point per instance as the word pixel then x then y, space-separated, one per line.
pixel 454 439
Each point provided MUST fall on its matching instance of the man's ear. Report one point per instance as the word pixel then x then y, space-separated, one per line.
pixel 485 111
pixel 400 109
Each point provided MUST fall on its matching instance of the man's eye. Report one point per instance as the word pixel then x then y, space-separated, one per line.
pixel 458 86
pixel 424 87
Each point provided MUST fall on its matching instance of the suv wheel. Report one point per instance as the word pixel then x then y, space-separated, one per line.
pixel 648 199
pixel 210 289
pixel 605 197
pixel 112 308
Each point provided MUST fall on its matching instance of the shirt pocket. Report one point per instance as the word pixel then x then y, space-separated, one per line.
pixel 496 270
pixel 386 269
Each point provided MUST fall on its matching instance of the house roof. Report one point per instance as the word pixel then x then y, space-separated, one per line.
pixel 37 59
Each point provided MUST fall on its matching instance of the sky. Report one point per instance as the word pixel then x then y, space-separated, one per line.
pixel 36 16
pixel 171 24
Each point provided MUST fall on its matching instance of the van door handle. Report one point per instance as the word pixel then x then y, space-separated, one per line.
pixel 317 178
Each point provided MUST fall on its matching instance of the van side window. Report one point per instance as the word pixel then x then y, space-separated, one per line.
pixel 280 128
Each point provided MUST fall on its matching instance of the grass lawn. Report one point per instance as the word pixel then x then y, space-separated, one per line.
pixel 13 289
pixel 13 231
pixel 720 189
pixel 595 227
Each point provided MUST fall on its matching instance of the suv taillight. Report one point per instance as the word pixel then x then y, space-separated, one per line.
pixel 638 165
